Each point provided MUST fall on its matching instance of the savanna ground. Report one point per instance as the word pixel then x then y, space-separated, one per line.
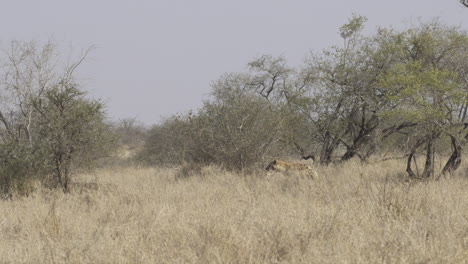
pixel 352 214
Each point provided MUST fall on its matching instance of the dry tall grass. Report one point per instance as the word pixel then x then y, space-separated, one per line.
pixel 351 214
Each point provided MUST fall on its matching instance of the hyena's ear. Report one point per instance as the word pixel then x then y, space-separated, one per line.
pixel 270 166
pixel 311 156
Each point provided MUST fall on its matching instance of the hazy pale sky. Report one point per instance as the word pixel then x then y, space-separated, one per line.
pixel 158 57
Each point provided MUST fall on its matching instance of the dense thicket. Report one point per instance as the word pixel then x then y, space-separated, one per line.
pixel 236 129
pixel 403 91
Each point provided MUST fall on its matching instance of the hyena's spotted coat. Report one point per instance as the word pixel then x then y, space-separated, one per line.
pixel 284 166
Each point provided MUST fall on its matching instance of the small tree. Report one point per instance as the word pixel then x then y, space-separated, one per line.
pixel 340 95
pixel 47 126
pixel 426 97
pixel 71 129
pixel 428 88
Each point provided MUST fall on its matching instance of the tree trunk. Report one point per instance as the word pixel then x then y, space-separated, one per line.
pixel 455 159
pixel 409 170
pixel 429 165
pixel 352 150
pixel 66 178
pixel 369 152
pixel 408 166
pixel 329 145
pixel 350 153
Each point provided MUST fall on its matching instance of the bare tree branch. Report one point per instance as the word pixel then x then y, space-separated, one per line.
pixel 72 67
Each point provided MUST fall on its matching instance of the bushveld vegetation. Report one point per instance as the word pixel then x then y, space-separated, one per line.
pixel 384 114
pixel 392 91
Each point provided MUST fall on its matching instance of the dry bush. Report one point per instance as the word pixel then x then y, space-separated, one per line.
pixel 352 214
pixel 236 129
pixel 49 127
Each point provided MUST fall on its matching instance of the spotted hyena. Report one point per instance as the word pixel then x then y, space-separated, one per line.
pixel 284 166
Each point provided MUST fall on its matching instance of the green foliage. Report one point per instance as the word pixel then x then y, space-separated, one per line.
pixel 72 131
pixel 354 25
pixel 48 128
pixel 427 88
pixel 421 95
pixel 390 90
pixel 18 166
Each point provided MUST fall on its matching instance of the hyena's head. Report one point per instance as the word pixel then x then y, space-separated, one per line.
pixel 277 165
pixel 271 166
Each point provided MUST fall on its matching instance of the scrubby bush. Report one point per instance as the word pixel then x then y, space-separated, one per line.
pixel 237 133
pixel 167 143
pixel 48 127
pixel 72 131
pixel 236 129
pixel 18 166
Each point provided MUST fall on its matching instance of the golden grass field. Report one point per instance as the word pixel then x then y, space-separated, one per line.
pixel 352 214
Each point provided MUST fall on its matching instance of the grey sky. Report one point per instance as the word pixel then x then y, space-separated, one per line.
pixel 156 58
